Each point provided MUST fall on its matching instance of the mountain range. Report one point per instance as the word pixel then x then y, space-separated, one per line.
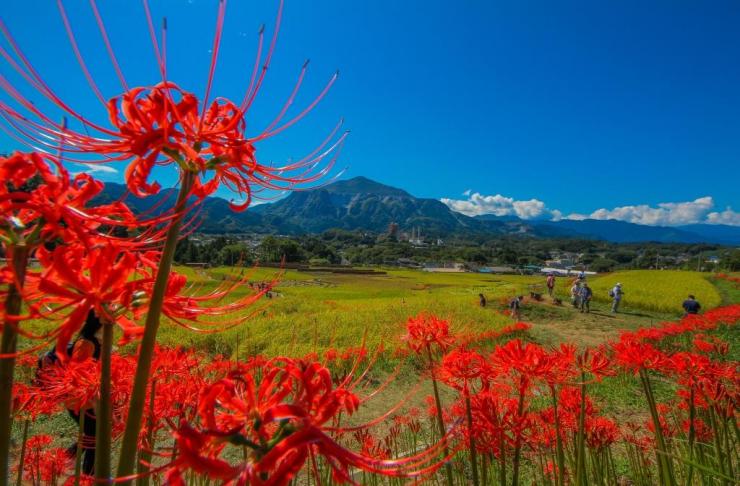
pixel 363 204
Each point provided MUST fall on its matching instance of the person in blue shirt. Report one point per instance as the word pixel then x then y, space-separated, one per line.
pixel 691 306
pixel 585 297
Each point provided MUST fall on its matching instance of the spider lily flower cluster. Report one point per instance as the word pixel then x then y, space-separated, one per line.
pixel 515 412
pixel 526 414
pixel 85 267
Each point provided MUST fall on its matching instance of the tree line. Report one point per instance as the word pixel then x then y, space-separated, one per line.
pixel 363 248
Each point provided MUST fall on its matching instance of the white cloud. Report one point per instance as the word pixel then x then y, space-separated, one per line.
pixel 728 216
pixel 665 214
pixel 477 204
pixel 700 210
pixel 103 169
pixel 467 192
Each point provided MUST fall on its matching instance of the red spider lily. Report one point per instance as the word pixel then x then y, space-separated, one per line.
pixel 426 330
pixel 277 410
pixel 115 282
pixel 331 355
pixel 528 360
pixel 179 376
pixel 543 432
pixel 491 335
pixel 634 434
pixel 431 410
pixel 84 279
pixel 594 362
pixel 601 432
pixel 371 446
pixel 569 403
pixel 74 384
pixel 525 363
pixel 354 354
pixel 162 124
pixel 496 422
pixel 28 402
pixel 690 368
pixel 563 360
pixel 40 202
pixel 710 345
pixel 460 367
pixel 728 314
pixel 702 431
pixel 633 355
pixel 729 278
pixel 44 464
pixel 187 306
pixel 84 480
pixel 691 323
pixel 155 124
pixel 667 428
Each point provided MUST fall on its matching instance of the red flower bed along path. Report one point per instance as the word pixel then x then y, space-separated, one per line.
pixel 520 413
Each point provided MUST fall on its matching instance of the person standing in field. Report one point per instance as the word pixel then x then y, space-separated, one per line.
pixel 550 284
pixel 585 295
pixel 616 295
pixel 575 292
pixel 691 306
pixel 86 346
pixel 482 300
pixel 515 306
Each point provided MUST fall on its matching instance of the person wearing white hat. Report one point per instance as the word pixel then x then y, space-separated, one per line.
pixel 616 295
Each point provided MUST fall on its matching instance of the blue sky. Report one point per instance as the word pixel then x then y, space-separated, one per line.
pixel 535 108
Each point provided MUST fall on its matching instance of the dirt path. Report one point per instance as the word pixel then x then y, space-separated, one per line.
pixel 556 324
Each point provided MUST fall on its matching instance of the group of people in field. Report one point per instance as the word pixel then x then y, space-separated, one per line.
pixel 581 295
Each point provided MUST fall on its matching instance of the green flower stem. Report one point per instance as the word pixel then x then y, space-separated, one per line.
pixel 22 459
pixel 581 442
pixel 560 473
pixel 145 454
pixel 80 448
pixel 473 455
pixel 502 449
pixel 440 419
pixel 717 442
pixel 104 414
pixel 662 458
pixel 518 440
pixel 692 434
pixel 146 349
pixel 8 346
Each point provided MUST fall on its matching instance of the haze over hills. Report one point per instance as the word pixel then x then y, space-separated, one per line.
pixel 363 204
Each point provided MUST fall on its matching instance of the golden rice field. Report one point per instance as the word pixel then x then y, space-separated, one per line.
pixel 661 291
pixel 315 311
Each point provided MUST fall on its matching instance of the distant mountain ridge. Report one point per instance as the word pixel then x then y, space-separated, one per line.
pixel 362 204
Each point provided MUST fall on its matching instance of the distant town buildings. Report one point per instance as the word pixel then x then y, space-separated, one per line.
pixel 444 267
